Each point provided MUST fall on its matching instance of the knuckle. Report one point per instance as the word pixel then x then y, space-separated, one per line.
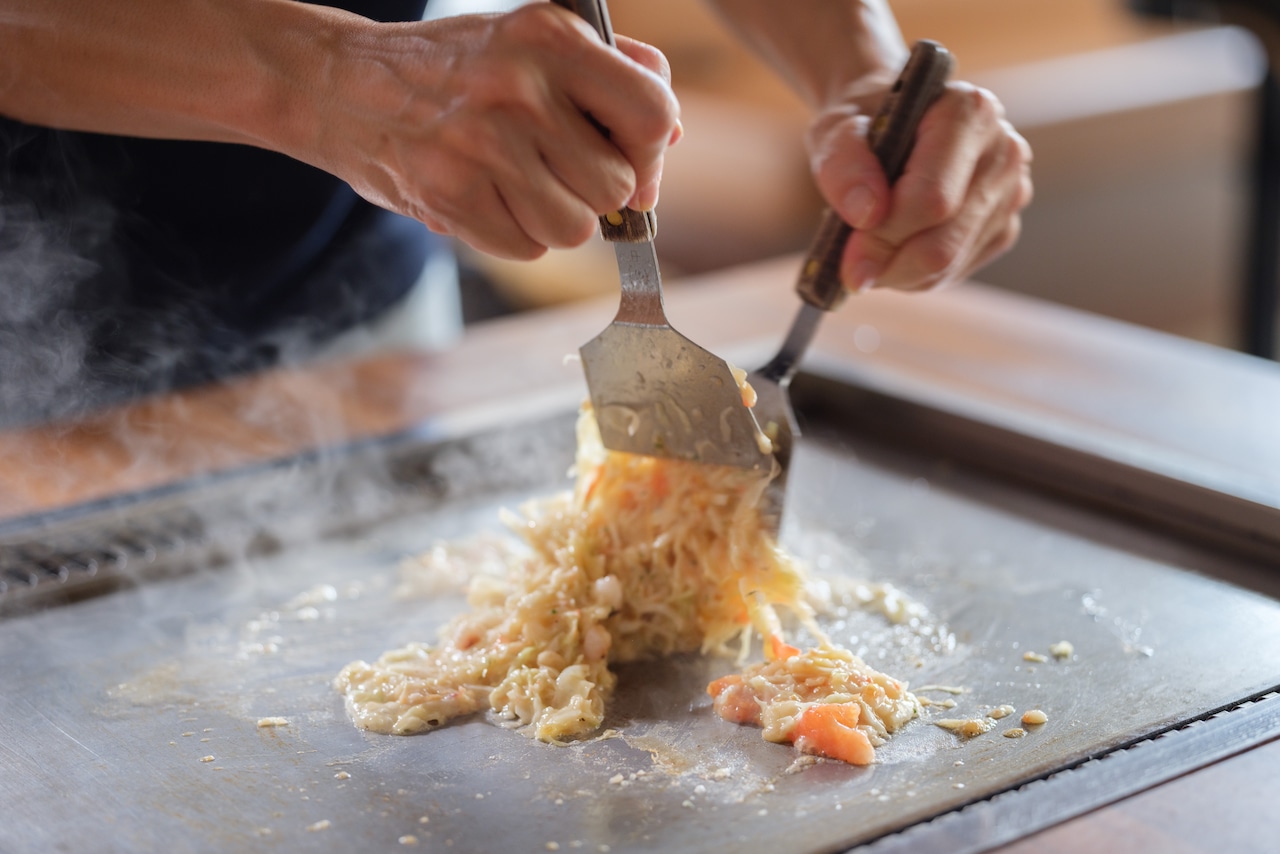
pixel 933 202
pixel 936 258
pixel 1010 235
pixel 569 229
pixel 538 25
pixel 975 103
pixel 1026 191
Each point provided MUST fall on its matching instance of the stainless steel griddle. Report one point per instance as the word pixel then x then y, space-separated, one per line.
pixel 194 611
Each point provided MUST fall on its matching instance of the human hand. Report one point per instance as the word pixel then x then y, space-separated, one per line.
pixel 956 206
pixel 477 125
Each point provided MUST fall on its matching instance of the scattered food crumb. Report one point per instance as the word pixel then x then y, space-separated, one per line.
pixel 426 819
pixel 559 801
pixel 553 846
pixel 1034 717
pixel 958 762
pixel 262 831
pixel 342 775
pixel 1001 712
pixel 1015 732
pixel 763 812
pixel 967 727
pixel 204 740
pixel 946 689
pixel 721 774
pixel 616 779
pixel 322 824
pixel 188 734
pixel 479 796
pixel 699 789
pixel 273 721
pixel 1062 649
pixel 408 839
pixel 957 785
pixel 1038 658
pixel 206 758
pixel 687 804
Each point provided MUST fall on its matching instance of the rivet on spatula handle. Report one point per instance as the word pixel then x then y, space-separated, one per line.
pixel 626 225
pixel 892 134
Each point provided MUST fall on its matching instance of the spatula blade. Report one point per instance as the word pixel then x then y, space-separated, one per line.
pixel 657 393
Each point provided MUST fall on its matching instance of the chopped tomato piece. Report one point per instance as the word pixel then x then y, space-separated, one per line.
pixel 830 729
pixel 734 701
pixel 780 649
pixel 659 484
pixel 718 686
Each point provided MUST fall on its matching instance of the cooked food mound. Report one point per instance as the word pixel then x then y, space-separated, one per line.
pixel 646 557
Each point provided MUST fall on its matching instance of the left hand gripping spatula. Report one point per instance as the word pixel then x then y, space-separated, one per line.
pixel 654 391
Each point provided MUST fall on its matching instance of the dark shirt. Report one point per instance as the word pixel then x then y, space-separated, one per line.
pixel 129 266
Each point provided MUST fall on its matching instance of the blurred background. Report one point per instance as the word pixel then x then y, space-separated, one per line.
pixel 1143 129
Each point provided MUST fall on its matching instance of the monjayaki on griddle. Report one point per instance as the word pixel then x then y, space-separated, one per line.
pixel 657 393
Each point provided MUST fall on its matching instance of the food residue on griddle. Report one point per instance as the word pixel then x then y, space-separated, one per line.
pixel 967 727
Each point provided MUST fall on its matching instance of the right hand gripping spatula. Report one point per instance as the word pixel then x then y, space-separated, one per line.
pixel 891 136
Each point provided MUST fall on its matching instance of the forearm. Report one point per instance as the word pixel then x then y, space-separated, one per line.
pixel 213 70
pixel 828 50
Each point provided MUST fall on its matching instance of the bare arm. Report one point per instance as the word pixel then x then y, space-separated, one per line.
pixel 473 124
pixel 957 205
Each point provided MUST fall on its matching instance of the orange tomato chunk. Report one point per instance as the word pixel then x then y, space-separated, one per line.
pixel 830 729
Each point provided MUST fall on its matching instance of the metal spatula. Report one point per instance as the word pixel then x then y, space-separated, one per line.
pixel 891 136
pixel 654 391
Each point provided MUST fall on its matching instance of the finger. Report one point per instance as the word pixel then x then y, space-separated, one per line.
pixel 544 206
pixel 631 98
pixel 995 246
pixel 645 54
pixel 949 251
pixel 960 145
pixel 846 169
pixel 586 163
pixel 488 226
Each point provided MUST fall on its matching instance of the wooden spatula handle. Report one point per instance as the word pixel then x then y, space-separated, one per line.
pixel 626 225
pixel 892 134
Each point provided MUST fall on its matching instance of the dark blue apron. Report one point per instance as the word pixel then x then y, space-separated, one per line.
pixel 130 266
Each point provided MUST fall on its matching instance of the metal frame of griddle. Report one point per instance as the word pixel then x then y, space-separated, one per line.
pixel 100 543
pixel 1092 783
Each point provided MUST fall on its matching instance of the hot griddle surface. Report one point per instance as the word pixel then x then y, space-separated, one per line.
pixel 113 705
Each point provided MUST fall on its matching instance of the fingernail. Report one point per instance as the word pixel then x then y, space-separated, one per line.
pixel 864 276
pixel 859 205
pixel 647 198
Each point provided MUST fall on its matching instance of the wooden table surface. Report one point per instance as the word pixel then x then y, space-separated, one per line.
pixel 1184 408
